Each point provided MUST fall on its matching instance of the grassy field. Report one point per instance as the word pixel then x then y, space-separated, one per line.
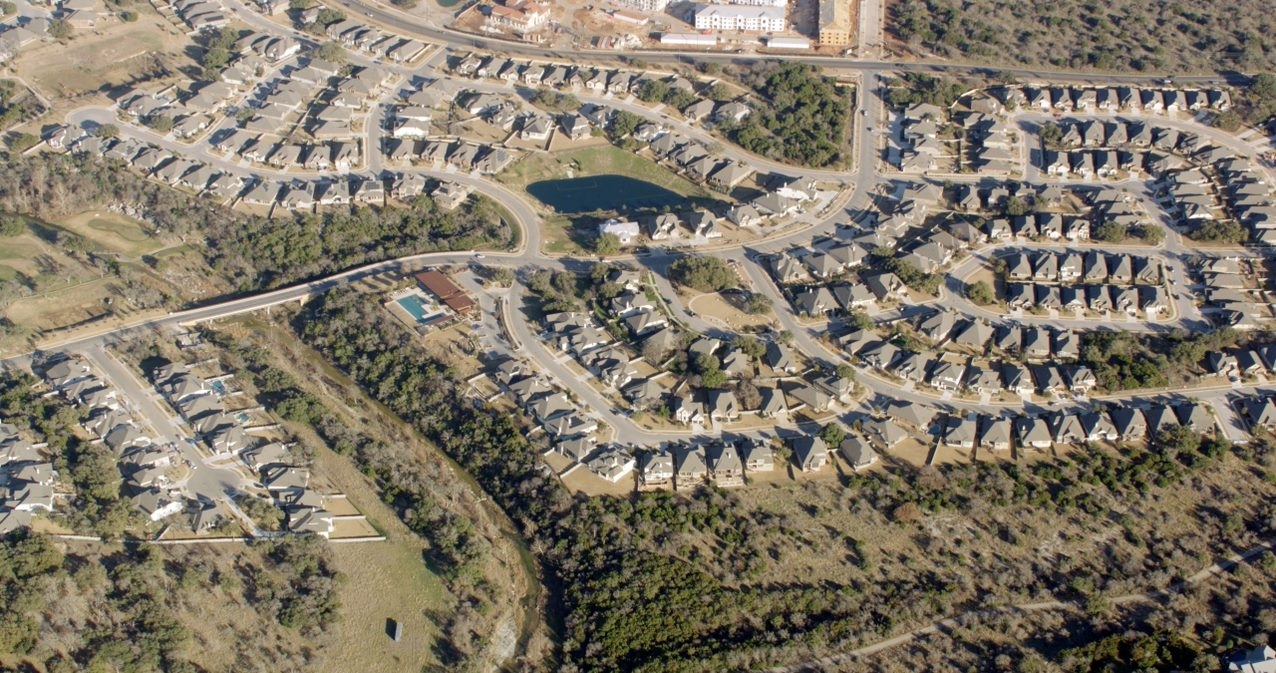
pixel 113 55
pixel 384 580
pixel 18 255
pixel 64 291
pixel 112 231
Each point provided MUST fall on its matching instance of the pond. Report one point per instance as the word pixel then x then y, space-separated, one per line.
pixel 602 192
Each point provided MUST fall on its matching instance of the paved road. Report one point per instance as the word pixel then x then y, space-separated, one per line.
pixel 871 36
pixel 206 481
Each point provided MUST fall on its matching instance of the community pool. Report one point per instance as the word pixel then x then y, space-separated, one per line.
pixel 421 310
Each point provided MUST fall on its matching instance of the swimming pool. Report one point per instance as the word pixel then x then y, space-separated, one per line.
pixel 422 311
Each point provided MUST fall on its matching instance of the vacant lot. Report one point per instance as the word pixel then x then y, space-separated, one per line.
pixel 116 55
pixel 1118 35
pixel 384 580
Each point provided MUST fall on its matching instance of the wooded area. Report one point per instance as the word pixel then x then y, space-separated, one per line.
pixel 658 582
pixel 1175 37
pixel 803 118
pixel 113 607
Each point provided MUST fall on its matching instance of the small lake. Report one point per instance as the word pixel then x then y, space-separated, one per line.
pixel 602 192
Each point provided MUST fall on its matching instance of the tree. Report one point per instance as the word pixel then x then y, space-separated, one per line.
pixel 860 320
pixel 758 304
pixel 331 52
pixel 706 274
pixel 980 292
pixel 846 371
pixel 300 5
pixel 128 16
pixel 607 244
pixel 161 123
pixel 1151 233
pixel 1220 231
pixel 553 100
pixel 1051 133
pixel 750 346
pixel 1111 231
pixel 108 131
pixel 653 91
pixel 328 16
pixel 60 30
pixel 7 7
pixel 719 92
pixel 1016 206
pixel 623 123
pixel 12 225
pixel 21 143
pixel 833 434
pixel 502 276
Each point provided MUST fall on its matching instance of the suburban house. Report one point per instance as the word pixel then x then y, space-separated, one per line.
pixel 624 230
pixel 810 453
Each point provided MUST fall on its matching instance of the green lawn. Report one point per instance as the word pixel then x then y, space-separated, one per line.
pixel 113 232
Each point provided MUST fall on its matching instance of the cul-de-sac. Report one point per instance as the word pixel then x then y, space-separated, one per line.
pixel 637 335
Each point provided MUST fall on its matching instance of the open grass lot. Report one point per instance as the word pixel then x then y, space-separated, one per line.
pixel 58 289
pixel 112 231
pixel 1118 35
pixel 21 254
pixel 113 55
pixel 713 307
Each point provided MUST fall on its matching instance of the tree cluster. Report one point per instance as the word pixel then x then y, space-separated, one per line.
pixel 914 88
pixel 657 91
pixel 802 117
pixel 1120 35
pixel 703 273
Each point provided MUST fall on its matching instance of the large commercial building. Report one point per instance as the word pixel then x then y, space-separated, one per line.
pixel 689 40
pixel 740 17
pixel 445 291
pixel 649 6
pixel 760 3
pixel 835 23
